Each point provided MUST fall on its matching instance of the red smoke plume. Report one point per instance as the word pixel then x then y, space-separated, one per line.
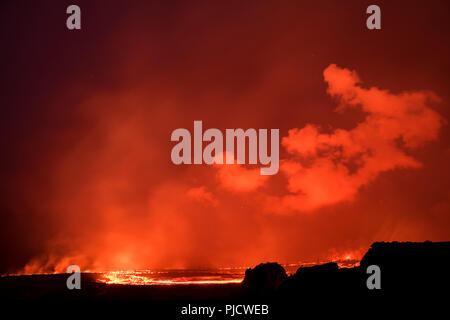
pixel 327 168
pixel 86 175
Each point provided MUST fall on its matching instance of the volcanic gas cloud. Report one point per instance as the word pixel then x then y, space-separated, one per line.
pixel 114 200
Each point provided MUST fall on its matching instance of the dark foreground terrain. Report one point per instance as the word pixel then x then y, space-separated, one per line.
pixel 411 275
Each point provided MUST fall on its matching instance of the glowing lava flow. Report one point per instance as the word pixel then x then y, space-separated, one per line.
pixel 203 277
pixel 146 277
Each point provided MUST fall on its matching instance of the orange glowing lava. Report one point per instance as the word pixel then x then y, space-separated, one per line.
pixel 202 277
pixel 172 277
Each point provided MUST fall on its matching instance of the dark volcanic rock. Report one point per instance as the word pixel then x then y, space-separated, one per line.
pixel 407 270
pixel 410 266
pixel 264 279
pixel 327 268
pixel 325 279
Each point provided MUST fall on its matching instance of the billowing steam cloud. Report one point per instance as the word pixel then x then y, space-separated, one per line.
pixel 326 168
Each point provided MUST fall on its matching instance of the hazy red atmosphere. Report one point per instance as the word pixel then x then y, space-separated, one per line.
pixel 86 174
